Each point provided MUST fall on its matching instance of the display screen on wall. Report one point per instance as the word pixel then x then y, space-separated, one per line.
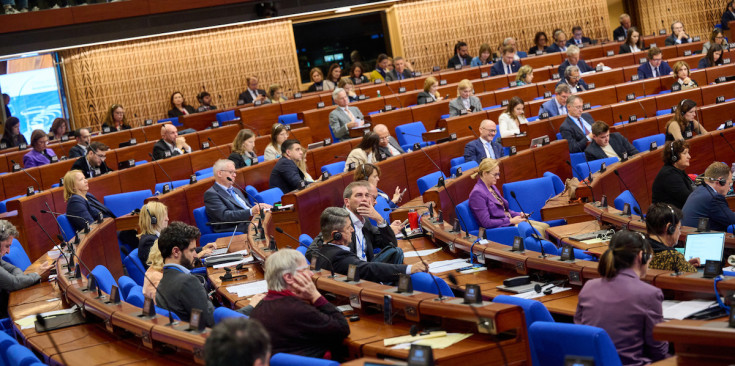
pixel 321 43
pixel 34 97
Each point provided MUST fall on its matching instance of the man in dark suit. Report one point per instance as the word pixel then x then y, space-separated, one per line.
pixel 557 105
pixel 578 39
pixel 678 35
pixel 621 32
pixel 560 42
pixel 506 65
pixel 170 143
pixel 577 127
pixel 573 60
pixel 252 93
pixel 285 174
pixel 400 70
pixel 93 164
pixel 708 200
pixel 80 149
pixel 608 145
pixel 367 237
pixel 334 242
pixel 225 203
pixel 6 101
pixel 655 66
pixel 727 16
pixel 461 56
pixel 484 147
pixel 573 78
pixel 388 145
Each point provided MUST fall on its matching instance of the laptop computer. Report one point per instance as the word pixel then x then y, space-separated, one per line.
pixel 225 250
pixel 705 246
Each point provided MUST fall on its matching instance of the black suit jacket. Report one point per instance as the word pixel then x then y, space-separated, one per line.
pixel 375 237
pixel 144 248
pixel 618 32
pixel 574 135
pixel 499 69
pixel 341 259
pixel 286 175
pixel 456 61
pixel 180 292
pixel 424 98
pixel 88 209
pixel 672 185
pixel 246 98
pixel 160 148
pixel 393 75
pixel 177 113
pixel 583 67
pixel 618 143
pixel 240 161
pixel 77 151
pixel 625 48
pixel 571 41
pixel 671 40
pixel 83 165
pixel 221 207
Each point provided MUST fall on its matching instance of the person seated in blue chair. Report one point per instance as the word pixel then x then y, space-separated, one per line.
pixel 461 56
pixel 286 174
pixel 243 149
pixel 39 154
pixel 93 164
pixel 655 66
pixel 82 207
pixel 578 39
pixel 484 147
pixel 465 102
pixel 170 144
pixel 712 58
pixel 237 341
pixel 623 305
pixel 205 102
pixel 678 35
pixel 12 278
pixel 388 145
pixel 557 106
pixel 577 127
pixel 371 173
pixel 573 78
pixel 506 65
pixel 608 145
pixel 225 203
pixel 490 208
pixel 560 42
pixel 344 117
pixel 708 200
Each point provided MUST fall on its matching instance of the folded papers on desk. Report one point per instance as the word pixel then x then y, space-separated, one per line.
pixel 422 253
pixel 681 310
pixel 248 289
pixel 446 266
pixel 436 340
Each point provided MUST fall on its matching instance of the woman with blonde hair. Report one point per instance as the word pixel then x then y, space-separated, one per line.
pixel 318 83
pixel 346 84
pixel 524 75
pixel 465 100
pixel 682 81
pixel 152 219
pixel 243 149
pixel 279 134
pixel 275 94
pixel 115 118
pixel 430 93
pixel 301 164
pixel 487 205
pixel 154 273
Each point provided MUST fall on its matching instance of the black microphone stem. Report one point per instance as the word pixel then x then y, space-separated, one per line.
pixel 28 174
pixel 216 147
pixel 61 251
pixel 436 283
pixel 444 184
pixel 540 244
pixel 171 181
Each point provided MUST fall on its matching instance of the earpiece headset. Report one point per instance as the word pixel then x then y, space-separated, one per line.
pixel 721 181
pixel 646 252
pixel 674 158
pixel 336 236
pixel 154 220
pixel 674 221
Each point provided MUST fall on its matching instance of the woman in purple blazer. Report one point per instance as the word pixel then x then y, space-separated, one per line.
pixel 488 205
pixel 39 154
pixel 623 305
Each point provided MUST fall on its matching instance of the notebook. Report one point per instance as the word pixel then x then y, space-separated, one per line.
pixel 706 246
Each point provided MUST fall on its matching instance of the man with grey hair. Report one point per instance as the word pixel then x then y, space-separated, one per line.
pixel 334 242
pixel 678 35
pixel 577 127
pixel 573 60
pixel 402 70
pixel 557 105
pixel 297 317
pixel 12 278
pixel 344 117
pixel 388 145
pixel 573 79
pixel 225 203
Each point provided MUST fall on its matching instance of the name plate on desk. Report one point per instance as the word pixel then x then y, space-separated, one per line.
pixel 634 77
pixel 148 122
pixel 610 53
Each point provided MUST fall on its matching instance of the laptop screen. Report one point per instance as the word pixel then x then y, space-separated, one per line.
pixel 706 247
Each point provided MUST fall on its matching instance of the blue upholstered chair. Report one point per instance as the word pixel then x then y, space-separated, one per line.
pixel 208 235
pixel 644 143
pixel 124 203
pixel 134 266
pixel 552 341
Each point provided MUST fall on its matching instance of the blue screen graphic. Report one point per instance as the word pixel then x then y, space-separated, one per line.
pixel 34 98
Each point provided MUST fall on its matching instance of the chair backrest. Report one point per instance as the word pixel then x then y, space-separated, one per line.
pixel 577 158
pixel 644 143
pixel 21 356
pixel 413 132
pixel 627 197
pixel 423 282
pixel 104 278
pixel 225 116
pixel 222 313
pixel 6 340
pixel 525 229
pixel 4 203
pixel 201 220
pixel 456 161
pixel 171 185
pixel 334 168
pixel 135 267
pixel 552 341
pixel 285 359
pixel 558 184
pixel 428 181
pixel 302 249
pixel 124 203
pixel 465 167
pixel 534 244
pixel 252 192
pixel 205 171
pixel 532 309
pixel 66 227
pixel 126 284
pixel 174 121
pixel 286 119
pixel 532 195
pixel 305 240
pixel 270 196
pixel 135 297
pixel 380 205
pixel 466 217
pixel 17 256
pixel 584 168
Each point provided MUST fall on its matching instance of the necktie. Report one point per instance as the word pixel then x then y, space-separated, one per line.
pixel 581 124
pixel 563 110
pixel 507 69
pixel 490 152
pixel 352 117
pixel 237 198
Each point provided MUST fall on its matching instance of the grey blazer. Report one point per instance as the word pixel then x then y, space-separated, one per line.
pixel 456 105
pixel 338 120
pixel 221 207
pixel 386 151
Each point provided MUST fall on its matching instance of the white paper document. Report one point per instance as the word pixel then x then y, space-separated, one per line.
pixel 422 253
pixel 449 265
pixel 248 289
pixel 234 263
pixel 681 309
pixel 533 294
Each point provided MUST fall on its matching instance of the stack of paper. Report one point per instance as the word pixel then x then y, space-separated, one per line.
pixel 422 253
pixel 449 265
pixel 682 309
pixel 248 289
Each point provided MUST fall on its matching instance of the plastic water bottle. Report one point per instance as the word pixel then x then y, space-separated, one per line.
pixel 379 97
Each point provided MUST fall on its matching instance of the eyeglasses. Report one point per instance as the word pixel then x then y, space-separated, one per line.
pixel 233 172
pixel 103 157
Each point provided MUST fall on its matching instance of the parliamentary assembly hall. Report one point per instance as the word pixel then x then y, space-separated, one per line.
pixel 344 182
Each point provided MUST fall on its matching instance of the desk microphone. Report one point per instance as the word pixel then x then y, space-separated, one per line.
pixel 443 184
pixel 170 181
pixel 410 134
pixel 331 265
pixel 280 231
pixel 28 174
pixel 436 283
pixel 537 234
pixel 473 131
pixel 145 137
pixel 257 133
pixel 625 126
pixel 394 94
pixel 216 147
pixel 61 251
pixel 626 187
pixel 645 114
pixel 86 229
pixel 261 214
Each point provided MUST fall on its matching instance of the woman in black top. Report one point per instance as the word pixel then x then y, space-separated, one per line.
pixel 115 119
pixel 672 184
pixel 633 42
pixel 663 228
pixel 178 106
pixel 430 93
pixel 540 41
pixel 319 84
pixel 356 74
pixel 712 58
pixel 58 129
pixel 153 218
pixel 243 146
pixel 12 136
pixel 683 125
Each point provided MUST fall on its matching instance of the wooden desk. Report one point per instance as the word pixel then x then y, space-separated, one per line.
pixel 698 342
